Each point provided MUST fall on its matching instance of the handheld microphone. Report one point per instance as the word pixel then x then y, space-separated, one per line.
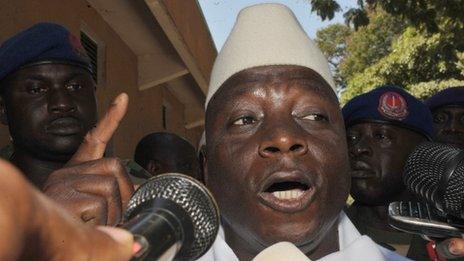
pixel 435 172
pixel 172 216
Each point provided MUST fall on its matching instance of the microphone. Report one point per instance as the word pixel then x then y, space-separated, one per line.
pixel 435 172
pixel 172 216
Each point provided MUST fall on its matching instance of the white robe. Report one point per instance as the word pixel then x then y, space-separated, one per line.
pixel 353 246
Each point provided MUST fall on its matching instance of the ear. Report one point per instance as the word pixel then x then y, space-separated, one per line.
pixel 3 117
pixel 152 167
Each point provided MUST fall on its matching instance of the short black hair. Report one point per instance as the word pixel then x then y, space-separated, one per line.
pixel 159 140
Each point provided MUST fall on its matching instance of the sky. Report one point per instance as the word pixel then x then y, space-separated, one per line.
pixel 220 15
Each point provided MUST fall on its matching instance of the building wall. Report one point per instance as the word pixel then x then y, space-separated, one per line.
pixel 145 107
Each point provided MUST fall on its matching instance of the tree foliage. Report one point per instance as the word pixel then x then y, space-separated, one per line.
pixel 416 44
pixel 332 42
pixel 419 13
pixel 416 58
pixel 326 9
pixel 369 44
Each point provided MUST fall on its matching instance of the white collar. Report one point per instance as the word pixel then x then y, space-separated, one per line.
pixel 353 246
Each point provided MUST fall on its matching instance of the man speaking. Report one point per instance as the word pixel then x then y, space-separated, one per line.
pixel 276 152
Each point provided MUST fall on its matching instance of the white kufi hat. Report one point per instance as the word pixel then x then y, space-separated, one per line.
pixel 266 34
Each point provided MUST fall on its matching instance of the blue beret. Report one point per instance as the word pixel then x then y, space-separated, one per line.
pixel 390 104
pixel 450 96
pixel 43 42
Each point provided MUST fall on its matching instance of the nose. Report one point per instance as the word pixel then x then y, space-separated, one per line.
pixel 451 124
pixel 360 148
pixel 283 141
pixel 60 101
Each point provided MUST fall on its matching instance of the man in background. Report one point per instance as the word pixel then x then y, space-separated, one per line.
pixel 47 99
pixel 163 152
pixel 383 127
pixel 447 107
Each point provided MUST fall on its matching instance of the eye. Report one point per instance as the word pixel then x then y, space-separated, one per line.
pixel 246 120
pixel 381 137
pixel 315 117
pixel 439 118
pixel 73 86
pixel 351 138
pixel 36 89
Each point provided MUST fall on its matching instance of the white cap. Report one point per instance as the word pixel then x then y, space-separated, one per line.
pixel 266 34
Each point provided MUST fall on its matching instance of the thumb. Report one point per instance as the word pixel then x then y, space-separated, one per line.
pixel 119 235
pixel 124 240
pixel 451 248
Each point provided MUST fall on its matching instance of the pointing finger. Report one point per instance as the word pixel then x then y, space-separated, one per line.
pixel 94 144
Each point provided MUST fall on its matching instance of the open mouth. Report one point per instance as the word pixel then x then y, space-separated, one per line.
pixel 287 193
pixel 287 190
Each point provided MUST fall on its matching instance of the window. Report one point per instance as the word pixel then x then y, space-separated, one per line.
pixel 164 117
pixel 91 47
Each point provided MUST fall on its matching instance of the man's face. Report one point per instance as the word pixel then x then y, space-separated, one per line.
pixel 378 152
pixel 49 109
pixel 449 124
pixel 277 159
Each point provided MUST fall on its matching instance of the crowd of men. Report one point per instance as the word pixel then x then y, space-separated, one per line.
pixel 278 153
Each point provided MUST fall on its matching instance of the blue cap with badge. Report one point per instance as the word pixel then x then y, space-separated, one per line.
pixel 42 43
pixel 390 104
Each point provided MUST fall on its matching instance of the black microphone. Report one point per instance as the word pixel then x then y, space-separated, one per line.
pixel 172 216
pixel 435 172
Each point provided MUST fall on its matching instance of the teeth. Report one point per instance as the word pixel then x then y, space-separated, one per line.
pixel 288 194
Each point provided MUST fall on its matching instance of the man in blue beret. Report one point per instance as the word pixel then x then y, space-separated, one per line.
pixel 383 127
pixel 47 99
pixel 447 107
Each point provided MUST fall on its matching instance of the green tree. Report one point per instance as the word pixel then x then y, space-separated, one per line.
pixel 419 13
pixel 417 44
pixel 332 42
pixel 417 60
pixel 370 43
pixel 326 9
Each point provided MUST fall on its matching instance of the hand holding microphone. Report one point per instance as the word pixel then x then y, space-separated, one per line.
pixel 434 172
pixel 33 227
pixel 172 216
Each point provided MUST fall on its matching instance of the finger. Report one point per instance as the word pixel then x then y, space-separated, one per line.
pixel 451 248
pixel 106 166
pixel 120 242
pixel 94 144
pixel 94 211
pixel 107 188
pixel 86 208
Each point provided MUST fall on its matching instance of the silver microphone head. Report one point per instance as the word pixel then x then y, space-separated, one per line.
pixel 190 195
pixel 435 172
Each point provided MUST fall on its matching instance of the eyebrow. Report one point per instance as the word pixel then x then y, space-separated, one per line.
pixel 75 75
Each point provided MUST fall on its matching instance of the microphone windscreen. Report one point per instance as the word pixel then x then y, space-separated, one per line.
pixel 281 251
pixel 435 172
pixel 188 194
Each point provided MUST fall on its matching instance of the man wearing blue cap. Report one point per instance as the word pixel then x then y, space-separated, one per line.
pixel 447 107
pixel 383 127
pixel 47 99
